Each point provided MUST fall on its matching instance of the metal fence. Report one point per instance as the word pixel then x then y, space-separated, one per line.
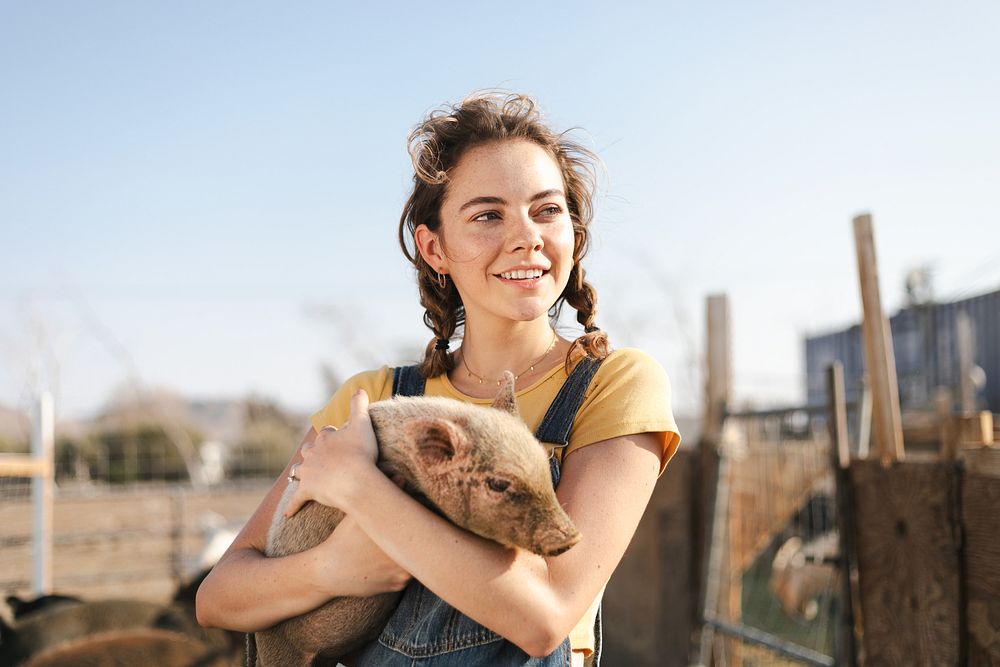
pixel 138 541
pixel 772 586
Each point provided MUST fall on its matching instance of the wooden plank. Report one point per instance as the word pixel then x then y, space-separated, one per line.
pixel 840 452
pixel 980 500
pixel 908 558
pixel 975 428
pixel 880 360
pixel 986 427
pixel 946 424
pixel 845 649
pixel 23 465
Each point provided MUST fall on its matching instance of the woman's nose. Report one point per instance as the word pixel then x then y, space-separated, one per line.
pixel 524 233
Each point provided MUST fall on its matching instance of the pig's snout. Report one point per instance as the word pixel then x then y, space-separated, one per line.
pixel 552 540
pixel 561 549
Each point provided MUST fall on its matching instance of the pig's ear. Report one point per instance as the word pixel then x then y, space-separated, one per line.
pixel 436 440
pixel 505 398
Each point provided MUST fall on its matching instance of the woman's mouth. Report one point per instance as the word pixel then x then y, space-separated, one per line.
pixel 522 274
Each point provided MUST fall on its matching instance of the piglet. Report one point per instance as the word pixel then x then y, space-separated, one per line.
pixel 479 467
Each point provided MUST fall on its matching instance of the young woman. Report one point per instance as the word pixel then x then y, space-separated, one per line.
pixel 496 227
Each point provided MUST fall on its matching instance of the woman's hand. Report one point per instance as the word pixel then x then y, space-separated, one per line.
pixel 336 461
pixel 356 565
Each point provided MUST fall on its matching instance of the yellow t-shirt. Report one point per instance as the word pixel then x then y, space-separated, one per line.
pixel 630 393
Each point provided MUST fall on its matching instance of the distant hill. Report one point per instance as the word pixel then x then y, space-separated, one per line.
pixel 220 419
pixel 223 419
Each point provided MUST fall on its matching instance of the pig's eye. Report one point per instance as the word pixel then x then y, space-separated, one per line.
pixel 498 485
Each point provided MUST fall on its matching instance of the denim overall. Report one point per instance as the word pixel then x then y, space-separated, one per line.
pixel 426 631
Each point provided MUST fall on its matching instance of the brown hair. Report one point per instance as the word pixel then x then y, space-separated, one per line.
pixel 435 147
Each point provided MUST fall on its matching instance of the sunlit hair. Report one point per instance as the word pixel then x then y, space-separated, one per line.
pixel 435 147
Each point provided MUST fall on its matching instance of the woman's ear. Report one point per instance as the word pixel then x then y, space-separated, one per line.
pixel 429 246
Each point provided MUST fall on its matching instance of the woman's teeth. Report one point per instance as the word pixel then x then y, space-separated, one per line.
pixel 522 274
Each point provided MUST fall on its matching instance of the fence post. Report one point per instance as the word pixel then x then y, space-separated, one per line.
pixel 711 469
pixel 42 487
pixel 845 649
pixel 718 366
pixel 879 357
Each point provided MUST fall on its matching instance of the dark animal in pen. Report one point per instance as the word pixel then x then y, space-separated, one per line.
pixel 20 608
pixel 38 627
pixel 132 648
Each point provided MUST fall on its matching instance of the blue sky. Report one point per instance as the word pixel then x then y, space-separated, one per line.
pixel 205 195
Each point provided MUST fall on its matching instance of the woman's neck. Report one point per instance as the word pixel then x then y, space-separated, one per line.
pixel 526 349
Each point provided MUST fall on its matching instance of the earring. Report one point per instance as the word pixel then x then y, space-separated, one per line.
pixel 442 280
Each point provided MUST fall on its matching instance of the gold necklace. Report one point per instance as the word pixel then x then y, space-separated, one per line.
pixel 517 375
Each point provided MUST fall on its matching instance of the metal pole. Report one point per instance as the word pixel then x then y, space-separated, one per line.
pixel 42 488
pixel 776 644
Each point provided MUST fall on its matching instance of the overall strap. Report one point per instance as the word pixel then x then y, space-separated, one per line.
pixel 558 421
pixel 407 381
pixel 554 430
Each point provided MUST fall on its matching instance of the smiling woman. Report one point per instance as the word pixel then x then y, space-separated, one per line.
pixel 509 253
pixel 491 160
pixel 496 228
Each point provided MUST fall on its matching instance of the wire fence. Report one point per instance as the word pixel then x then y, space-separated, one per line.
pixel 138 541
pixel 772 592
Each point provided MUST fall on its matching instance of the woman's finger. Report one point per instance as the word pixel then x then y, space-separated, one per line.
pixel 359 406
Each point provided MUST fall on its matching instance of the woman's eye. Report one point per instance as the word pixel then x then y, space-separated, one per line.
pixel 498 485
pixel 487 216
pixel 550 210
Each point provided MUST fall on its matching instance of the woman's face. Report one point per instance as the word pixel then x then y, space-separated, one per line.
pixel 506 237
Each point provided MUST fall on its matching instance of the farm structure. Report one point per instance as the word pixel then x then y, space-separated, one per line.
pixel 936 346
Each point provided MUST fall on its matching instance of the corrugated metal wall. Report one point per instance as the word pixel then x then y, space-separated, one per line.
pixel 926 348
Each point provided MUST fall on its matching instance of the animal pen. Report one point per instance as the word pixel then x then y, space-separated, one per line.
pixel 813 535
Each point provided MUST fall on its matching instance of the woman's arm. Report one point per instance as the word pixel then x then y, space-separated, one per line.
pixel 247 592
pixel 532 601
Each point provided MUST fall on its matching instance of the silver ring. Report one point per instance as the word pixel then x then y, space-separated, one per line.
pixel 292 477
pixel 329 428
